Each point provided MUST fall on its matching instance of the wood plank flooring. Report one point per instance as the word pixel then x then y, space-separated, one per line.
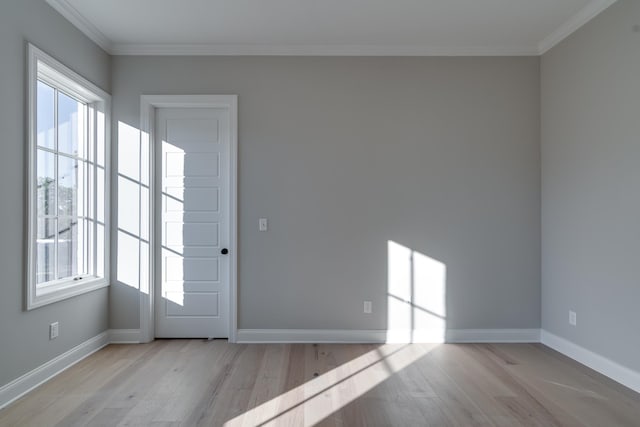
pixel 214 383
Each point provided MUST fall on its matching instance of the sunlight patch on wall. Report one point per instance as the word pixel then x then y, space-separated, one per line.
pixel 172 251
pixel 128 260
pixel 416 307
pixel 129 152
pixel 133 221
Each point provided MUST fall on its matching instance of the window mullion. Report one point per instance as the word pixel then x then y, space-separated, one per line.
pixel 68 156
pixel 94 171
pixel 55 192
pixel 87 244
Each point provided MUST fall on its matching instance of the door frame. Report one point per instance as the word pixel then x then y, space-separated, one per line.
pixel 148 106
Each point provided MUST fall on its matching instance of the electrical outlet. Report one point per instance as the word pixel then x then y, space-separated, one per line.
pixel 368 309
pixel 573 320
pixel 53 330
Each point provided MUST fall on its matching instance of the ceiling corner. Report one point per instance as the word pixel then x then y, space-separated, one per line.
pixel 586 14
pixel 64 8
pixel 68 11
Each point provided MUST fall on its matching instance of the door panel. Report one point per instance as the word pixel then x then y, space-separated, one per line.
pixel 192 304
pixel 179 234
pixel 192 294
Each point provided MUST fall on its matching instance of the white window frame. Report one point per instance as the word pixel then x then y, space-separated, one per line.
pixel 47 69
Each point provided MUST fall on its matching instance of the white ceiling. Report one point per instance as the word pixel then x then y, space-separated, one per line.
pixel 329 27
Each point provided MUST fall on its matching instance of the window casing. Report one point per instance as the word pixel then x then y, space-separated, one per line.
pixel 67 232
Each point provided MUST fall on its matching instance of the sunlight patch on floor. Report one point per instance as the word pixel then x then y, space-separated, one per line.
pixel 318 398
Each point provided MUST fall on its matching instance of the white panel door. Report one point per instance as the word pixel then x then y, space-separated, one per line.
pixel 192 269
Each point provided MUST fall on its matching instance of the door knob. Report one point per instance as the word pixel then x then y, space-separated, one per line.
pixel 224 251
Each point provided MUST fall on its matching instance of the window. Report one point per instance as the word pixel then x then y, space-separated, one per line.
pixel 68 191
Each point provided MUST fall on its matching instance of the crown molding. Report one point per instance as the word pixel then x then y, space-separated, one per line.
pixel 318 50
pixel 586 14
pixel 64 8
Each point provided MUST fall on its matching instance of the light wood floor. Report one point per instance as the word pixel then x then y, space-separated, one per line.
pixel 213 383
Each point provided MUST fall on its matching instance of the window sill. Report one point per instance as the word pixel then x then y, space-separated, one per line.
pixel 62 290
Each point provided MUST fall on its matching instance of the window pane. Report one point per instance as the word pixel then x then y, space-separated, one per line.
pixel 45 183
pixel 68 247
pixel 82 189
pixel 70 125
pixel 45 116
pixel 67 186
pixel 45 247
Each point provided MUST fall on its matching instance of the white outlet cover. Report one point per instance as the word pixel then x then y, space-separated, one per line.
pixel 573 318
pixel 367 307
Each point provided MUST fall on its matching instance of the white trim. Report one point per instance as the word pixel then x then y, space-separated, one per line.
pixel 146 305
pixel 148 104
pixel 382 336
pixel 71 289
pixel 493 335
pixel 43 66
pixel 124 336
pixel 625 376
pixel 67 10
pixel 209 49
pixel 27 382
pixel 586 14
pixel 266 336
pixel 64 8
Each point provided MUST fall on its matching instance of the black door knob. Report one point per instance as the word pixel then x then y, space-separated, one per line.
pixel 224 251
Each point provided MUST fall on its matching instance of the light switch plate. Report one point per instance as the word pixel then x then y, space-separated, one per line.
pixel 262 224
pixel 54 330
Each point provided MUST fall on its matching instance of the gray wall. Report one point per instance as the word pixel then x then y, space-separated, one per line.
pixel 344 154
pixel 24 335
pixel 590 176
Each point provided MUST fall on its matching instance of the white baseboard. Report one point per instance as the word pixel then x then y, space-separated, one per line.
pixel 124 336
pixel 265 336
pixel 626 376
pixel 601 364
pixel 24 384
pixel 493 335
pixel 383 336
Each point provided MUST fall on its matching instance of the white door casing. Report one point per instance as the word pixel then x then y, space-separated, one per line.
pixel 193 142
